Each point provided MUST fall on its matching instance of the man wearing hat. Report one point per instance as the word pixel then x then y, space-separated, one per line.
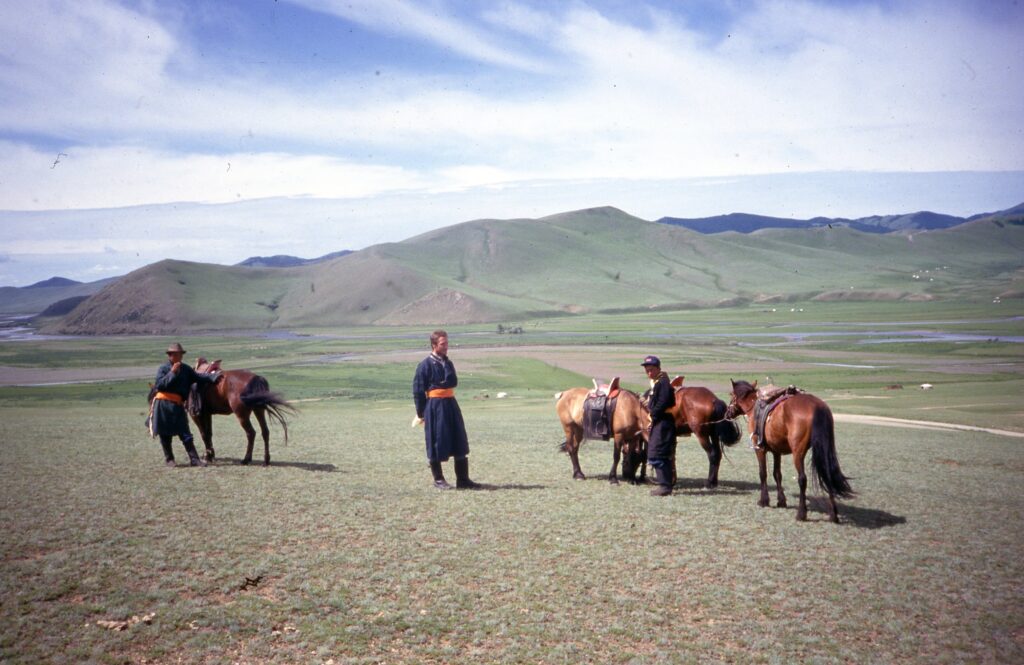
pixel 661 446
pixel 168 419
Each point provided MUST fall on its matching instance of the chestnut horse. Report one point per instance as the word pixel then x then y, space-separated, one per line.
pixel 698 411
pixel 800 423
pixel 242 393
pixel 629 424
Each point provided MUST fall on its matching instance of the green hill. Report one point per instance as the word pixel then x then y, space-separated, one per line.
pixel 593 260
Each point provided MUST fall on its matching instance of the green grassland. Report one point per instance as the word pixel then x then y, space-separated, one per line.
pixel 360 560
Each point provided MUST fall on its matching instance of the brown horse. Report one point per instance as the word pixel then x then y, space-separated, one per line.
pixel 801 422
pixel 629 424
pixel 242 393
pixel 698 411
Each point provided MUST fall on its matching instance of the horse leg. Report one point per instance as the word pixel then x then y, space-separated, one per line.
pixel 573 439
pixel 206 431
pixel 714 452
pixel 777 474
pixel 801 476
pixel 250 434
pixel 762 472
pixel 261 418
pixel 613 477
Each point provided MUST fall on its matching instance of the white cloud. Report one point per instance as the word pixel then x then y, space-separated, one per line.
pixel 434 25
pixel 794 86
pixel 130 175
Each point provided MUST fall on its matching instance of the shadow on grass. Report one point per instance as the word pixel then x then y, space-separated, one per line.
pixel 486 487
pixel 864 518
pixel 868 518
pixel 696 486
pixel 305 466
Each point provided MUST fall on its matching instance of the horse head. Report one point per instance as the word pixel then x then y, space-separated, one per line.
pixel 742 398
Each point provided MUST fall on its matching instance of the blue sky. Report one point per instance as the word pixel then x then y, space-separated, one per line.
pixel 135 131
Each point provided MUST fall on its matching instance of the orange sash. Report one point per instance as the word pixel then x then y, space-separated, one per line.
pixel 441 392
pixel 170 397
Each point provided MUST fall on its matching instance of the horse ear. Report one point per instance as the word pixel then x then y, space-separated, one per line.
pixel 678 381
pixel 755 384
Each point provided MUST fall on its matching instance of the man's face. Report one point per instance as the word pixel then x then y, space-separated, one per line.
pixel 441 348
pixel 652 371
pixel 174 357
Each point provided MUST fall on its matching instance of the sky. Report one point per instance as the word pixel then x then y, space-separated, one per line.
pixel 214 131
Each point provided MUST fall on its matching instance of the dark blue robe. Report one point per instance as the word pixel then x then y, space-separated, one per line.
pixel 444 429
pixel 662 444
pixel 169 419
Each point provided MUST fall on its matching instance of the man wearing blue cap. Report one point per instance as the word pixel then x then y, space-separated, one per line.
pixel 661 446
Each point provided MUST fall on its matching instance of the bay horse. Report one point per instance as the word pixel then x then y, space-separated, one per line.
pixel 700 412
pixel 800 423
pixel 629 423
pixel 242 393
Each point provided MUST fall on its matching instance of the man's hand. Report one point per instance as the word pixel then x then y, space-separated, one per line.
pixel 416 420
pixel 175 367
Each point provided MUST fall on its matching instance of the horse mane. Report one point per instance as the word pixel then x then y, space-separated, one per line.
pixel 742 388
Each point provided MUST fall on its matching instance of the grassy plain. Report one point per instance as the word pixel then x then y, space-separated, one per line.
pixel 359 560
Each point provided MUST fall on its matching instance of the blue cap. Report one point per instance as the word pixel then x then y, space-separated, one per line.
pixel 651 360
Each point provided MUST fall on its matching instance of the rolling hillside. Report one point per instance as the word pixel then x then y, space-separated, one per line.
pixel 600 259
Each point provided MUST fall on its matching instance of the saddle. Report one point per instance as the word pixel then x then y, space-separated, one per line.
pixel 194 404
pixel 768 398
pixel 598 408
pixel 205 366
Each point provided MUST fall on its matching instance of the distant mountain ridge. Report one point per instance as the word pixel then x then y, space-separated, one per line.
pixel 52 282
pixel 594 260
pixel 747 223
pixel 287 261
pixel 36 298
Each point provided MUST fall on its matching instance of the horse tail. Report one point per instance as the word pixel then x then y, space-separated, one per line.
pixel 728 431
pixel 257 395
pixel 823 455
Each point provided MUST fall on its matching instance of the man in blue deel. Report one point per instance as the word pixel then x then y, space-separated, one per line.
pixel 661 447
pixel 174 379
pixel 433 391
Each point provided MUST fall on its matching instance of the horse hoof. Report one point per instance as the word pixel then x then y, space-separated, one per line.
pixel 266 462
pixel 763 504
pixel 578 476
pixel 613 481
pixel 801 516
pixel 782 504
pixel 246 461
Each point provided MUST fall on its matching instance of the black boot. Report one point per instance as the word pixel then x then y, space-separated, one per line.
pixel 439 481
pixel 664 487
pixel 462 480
pixel 193 456
pixel 165 443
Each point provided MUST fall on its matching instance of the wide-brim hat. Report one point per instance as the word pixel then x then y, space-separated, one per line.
pixel 651 360
pixel 175 348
